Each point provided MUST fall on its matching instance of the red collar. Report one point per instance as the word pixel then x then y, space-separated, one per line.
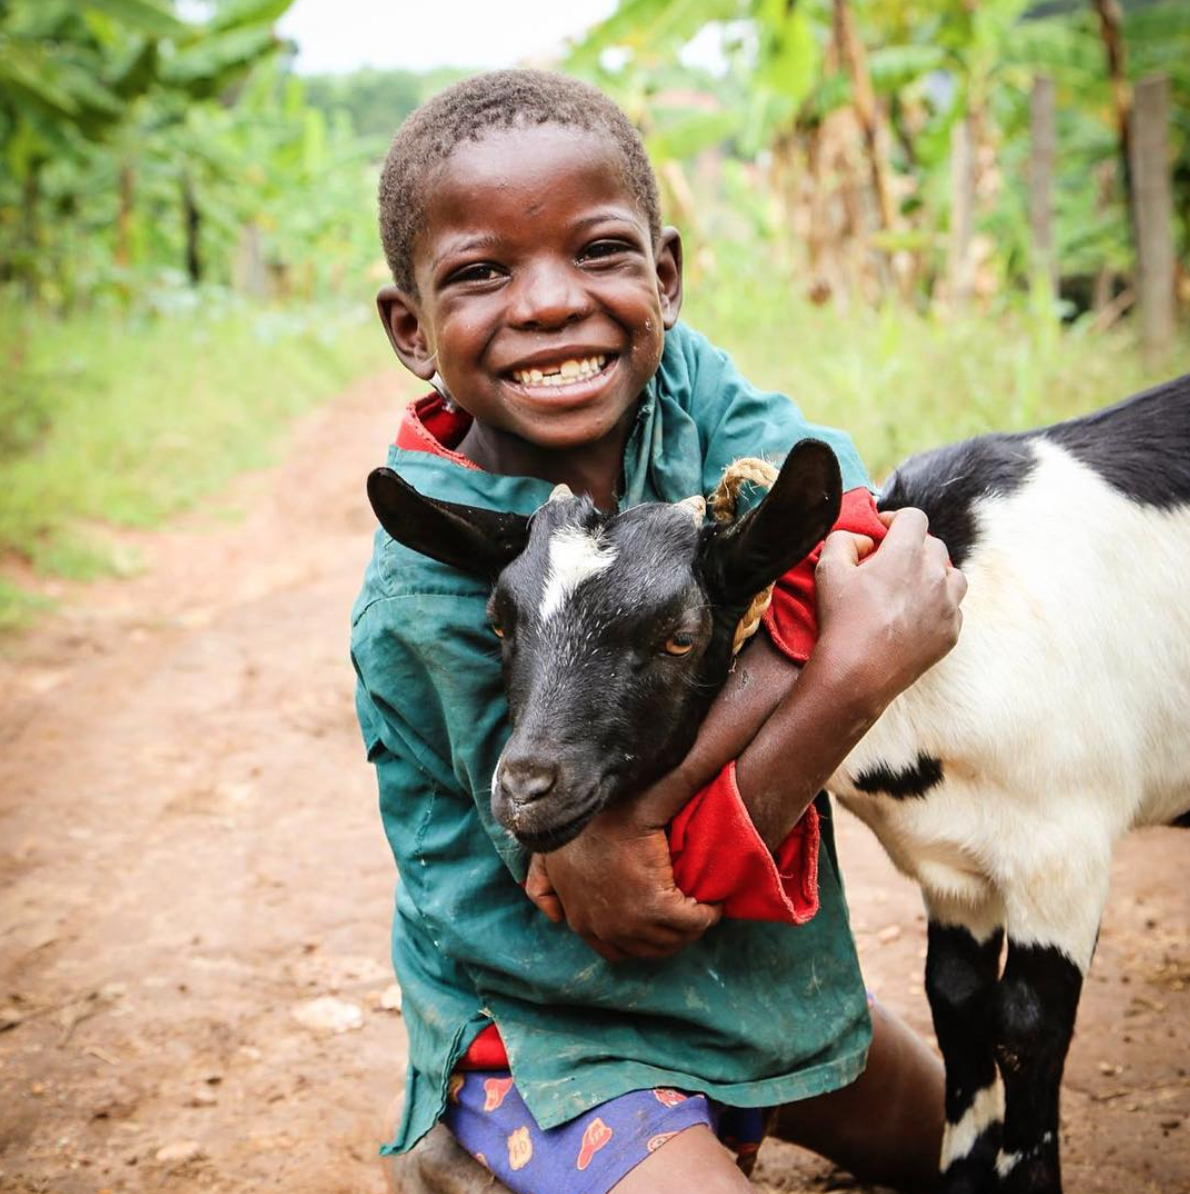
pixel 429 425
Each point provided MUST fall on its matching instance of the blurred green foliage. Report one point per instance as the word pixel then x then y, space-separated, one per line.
pixel 137 418
pixel 901 382
pixel 930 65
pixel 144 153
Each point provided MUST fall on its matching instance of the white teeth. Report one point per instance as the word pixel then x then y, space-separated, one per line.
pixel 559 375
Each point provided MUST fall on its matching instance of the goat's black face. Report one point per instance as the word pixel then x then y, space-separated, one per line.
pixel 607 637
pixel 615 630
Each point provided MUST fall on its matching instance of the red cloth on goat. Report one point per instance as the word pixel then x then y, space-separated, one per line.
pixel 792 618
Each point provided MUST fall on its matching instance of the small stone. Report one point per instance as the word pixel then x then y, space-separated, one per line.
pixel 329 1014
pixel 181 1152
pixel 202 1097
pixel 389 1000
pixel 10 1017
pixel 889 934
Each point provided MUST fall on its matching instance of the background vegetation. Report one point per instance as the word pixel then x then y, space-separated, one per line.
pixel 188 251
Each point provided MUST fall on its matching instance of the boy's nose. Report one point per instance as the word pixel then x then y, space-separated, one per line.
pixel 548 297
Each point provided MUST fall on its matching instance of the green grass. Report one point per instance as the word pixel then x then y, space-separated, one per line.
pixel 18 607
pixel 900 382
pixel 128 421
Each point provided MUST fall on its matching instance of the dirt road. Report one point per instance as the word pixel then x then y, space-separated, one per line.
pixel 190 853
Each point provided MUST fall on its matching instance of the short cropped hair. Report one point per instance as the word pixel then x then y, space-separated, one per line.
pixel 501 99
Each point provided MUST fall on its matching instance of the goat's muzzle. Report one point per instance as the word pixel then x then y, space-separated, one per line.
pixel 526 780
pixel 534 798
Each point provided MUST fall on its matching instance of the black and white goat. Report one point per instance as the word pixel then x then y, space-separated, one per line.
pixel 1000 781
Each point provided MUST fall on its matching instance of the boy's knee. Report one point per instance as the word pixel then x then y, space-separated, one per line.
pixel 438 1164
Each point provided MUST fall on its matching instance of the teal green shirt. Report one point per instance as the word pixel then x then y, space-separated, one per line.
pixel 754 1014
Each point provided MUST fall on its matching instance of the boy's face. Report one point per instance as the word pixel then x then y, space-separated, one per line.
pixel 542 300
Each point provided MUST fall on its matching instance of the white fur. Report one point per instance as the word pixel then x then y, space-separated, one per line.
pixel 574 555
pixel 1062 718
pixel 1006 1163
pixel 987 1108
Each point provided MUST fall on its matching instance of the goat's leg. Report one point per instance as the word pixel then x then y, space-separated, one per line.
pixel 1053 923
pixel 962 966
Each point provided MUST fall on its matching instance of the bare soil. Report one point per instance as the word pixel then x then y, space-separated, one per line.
pixel 190 852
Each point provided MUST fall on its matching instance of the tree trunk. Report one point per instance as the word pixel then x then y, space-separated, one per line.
pixel 30 230
pixel 192 227
pixel 962 203
pixel 1113 43
pixel 863 100
pixel 1154 216
pixel 251 273
pixel 819 290
pixel 1041 182
pixel 127 191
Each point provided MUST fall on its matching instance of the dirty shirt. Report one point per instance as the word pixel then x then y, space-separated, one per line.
pixel 755 1013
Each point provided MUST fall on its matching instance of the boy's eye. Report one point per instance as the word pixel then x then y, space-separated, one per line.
pixel 480 271
pixel 604 248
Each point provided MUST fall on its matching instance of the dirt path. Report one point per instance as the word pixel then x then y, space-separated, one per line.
pixel 189 851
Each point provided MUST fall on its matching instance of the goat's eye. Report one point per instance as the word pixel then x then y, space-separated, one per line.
pixel 679 643
pixel 497 629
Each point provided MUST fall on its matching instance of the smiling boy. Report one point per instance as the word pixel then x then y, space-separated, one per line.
pixel 535 286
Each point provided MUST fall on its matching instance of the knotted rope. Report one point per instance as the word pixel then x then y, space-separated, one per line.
pixel 723 507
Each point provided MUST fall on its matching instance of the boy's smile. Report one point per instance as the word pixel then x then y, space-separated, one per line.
pixel 542 299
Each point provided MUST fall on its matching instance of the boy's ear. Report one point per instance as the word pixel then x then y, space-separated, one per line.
pixel 402 321
pixel 469 538
pixel 782 529
pixel 668 260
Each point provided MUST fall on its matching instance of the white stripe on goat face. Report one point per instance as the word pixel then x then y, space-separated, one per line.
pixel 575 555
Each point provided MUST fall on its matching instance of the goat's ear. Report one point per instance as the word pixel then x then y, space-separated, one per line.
pixel 465 537
pixel 782 529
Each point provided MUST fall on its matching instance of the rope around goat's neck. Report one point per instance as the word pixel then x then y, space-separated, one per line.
pixel 723 507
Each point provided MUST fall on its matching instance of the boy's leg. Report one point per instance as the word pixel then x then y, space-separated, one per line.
pixel 885 1127
pixel 438 1164
pixel 692 1160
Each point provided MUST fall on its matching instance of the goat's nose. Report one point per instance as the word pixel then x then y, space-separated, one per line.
pixel 526 780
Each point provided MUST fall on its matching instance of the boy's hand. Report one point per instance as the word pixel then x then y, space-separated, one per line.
pixel 887 622
pixel 614 887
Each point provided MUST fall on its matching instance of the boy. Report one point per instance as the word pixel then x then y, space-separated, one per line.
pixel 536 289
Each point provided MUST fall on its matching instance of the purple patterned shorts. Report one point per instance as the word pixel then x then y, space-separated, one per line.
pixel 588 1154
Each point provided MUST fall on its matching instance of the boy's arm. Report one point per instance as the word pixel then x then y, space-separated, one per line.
pixel 881 626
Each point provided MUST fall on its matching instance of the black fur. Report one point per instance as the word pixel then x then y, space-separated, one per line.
pixel 1182 822
pixel 917 780
pixel 961 976
pixel 1036 1003
pixel 1141 447
pixel 947 482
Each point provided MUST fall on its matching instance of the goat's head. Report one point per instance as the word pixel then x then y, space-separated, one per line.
pixel 615 630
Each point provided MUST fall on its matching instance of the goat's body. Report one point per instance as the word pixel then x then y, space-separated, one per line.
pixel 1002 779
pixel 1112 663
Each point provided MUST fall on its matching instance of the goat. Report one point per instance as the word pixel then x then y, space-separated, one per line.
pixel 999 781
